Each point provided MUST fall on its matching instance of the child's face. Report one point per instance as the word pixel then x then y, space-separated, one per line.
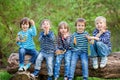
pixel 25 26
pixel 80 27
pixel 46 25
pixel 100 24
pixel 63 30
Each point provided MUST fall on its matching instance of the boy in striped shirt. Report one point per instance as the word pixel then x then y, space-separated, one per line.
pixel 79 47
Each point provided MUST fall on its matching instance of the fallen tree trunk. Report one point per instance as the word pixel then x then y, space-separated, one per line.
pixel 112 70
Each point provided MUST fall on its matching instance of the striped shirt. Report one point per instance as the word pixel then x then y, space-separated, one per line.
pixel 82 42
pixel 47 42
pixel 28 35
pixel 105 37
pixel 63 43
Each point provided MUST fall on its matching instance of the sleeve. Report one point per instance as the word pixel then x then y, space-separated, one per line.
pixel 33 31
pixel 41 36
pixel 105 38
pixel 72 42
pixel 18 43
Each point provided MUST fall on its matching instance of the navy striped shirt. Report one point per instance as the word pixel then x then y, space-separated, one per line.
pixel 105 37
pixel 82 42
pixel 47 42
pixel 63 44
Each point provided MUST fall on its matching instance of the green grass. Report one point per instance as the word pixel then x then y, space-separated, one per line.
pixel 4 75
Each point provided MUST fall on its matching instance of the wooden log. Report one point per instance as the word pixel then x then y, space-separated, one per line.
pixel 112 70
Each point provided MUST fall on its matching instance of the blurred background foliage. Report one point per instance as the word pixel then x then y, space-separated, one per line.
pixel 12 11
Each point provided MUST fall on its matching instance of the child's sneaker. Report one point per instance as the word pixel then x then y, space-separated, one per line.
pixel 103 62
pixel 20 69
pixel 85 78
pixel 27 66
pixel 70 78
pixel 35 73
pixel 65 78
pixel 95 63
pixel 55 78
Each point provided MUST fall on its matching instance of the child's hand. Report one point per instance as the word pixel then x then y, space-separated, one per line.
pixel 57 52
pixel 46 31
pixel 17 39
pixel 96 38
pixel 32 22
pixel 88 37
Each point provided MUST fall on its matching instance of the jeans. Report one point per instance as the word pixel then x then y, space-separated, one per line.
pixel 23 52
pixel 99 49
pixel 49 57
pixel 67 58
pixel 84 61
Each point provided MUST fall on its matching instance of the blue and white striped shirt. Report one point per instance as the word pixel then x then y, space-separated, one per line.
pixel 82 42
pixel 47 42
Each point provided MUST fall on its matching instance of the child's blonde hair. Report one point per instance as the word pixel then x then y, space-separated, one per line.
pixel 63 23
pixel 101 18
pixel 44 21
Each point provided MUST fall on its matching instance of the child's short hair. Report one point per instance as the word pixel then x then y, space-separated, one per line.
pixel 25 20
pixel 80 20
pixel 44 21
pixel 100 18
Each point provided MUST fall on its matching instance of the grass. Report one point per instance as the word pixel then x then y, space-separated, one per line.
pixel 4 75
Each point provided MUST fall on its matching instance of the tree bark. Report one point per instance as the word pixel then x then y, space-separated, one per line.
pixel 112 70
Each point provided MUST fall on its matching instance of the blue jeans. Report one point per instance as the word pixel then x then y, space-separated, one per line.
pixel 49 57
pixel 84 61
pixel 23 52
pixel 99 49
pixel 58 60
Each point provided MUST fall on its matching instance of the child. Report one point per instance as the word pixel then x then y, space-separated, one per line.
pixel 79 45
pixel 47 44
pixel 102 45
pixel 25 41
pixel 63 50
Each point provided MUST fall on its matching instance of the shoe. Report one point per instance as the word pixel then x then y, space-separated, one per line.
pixel 20 69
pixel 95 63
pixel 49 78
pixel 103 62
pixel 26 67
pixel 85 78
pixel 70 78
pixel 35 73
pixel 65 78
pixel 55 78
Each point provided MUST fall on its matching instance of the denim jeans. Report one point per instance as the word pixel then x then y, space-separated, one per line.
pixel 49 57
pixel 23 52
pixel 99 49
pixel 67 58
pixel 84 61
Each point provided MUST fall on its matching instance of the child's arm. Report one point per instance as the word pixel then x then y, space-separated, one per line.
pixel 106 37
pixel 33 30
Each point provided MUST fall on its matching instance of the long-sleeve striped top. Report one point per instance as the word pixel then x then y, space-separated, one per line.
pixel 81 42
pixel 63 43
pixel 105 37
pixel 47 42
pixel 27 36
